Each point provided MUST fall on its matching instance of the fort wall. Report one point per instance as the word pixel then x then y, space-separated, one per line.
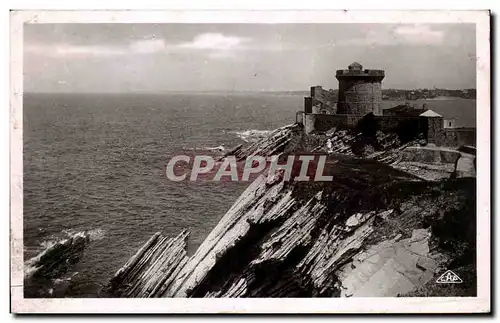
pixel 320 101
pixel 325 96
pixel 434 130
pixel 320 123
pixel 456 137
pixel 360 98
pixel 324 122
pixel 360 91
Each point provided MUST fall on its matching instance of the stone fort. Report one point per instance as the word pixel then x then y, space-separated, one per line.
pixel 360 96
pixel 360 91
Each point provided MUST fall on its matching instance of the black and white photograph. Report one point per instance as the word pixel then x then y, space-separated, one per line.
pixel 335 160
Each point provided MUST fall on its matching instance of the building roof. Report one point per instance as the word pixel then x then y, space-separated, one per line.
pixel 430 113
pixel 405 110
pixel 355 66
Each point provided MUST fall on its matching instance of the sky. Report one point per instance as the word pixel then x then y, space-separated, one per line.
pixel 242 57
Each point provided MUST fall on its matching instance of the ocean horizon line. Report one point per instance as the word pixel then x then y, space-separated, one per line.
pixel 296 92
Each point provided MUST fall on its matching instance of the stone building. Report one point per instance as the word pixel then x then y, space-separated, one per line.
pixel 320 101
pixel 450 123
pixel 433 122
pixel 360 91
pixel 360 95
pixel 403 110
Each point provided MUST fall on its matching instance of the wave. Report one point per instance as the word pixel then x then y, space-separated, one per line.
pixel 252 135
pixel 96 234
pixel 219 148
pixel 58 281
pixel 93 234
pixel 47 246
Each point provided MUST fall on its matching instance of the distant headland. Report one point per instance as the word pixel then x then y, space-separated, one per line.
pixel 400 94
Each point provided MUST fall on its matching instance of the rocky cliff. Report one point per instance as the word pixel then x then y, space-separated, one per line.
pixel 375 230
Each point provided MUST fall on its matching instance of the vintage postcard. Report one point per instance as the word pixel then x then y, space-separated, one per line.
pixel 250 162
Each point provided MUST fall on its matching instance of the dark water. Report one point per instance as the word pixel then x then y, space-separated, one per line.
pixel 96 162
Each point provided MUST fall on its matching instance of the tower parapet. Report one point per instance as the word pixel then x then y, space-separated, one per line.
pixel 360 91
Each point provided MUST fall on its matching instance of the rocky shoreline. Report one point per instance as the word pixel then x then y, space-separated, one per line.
pixel 386 226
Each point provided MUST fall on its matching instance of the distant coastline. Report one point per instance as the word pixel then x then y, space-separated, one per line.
pixel 443 98
pixel 219 92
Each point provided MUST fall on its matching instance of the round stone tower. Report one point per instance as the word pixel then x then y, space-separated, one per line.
pixel 360 91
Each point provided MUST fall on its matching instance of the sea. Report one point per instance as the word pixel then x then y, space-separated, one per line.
pixel 96 163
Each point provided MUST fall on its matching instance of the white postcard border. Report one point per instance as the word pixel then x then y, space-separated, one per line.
pixel 481 303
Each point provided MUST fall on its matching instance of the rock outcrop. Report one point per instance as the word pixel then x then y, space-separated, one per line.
pixel 274 144
pixel 465 165
pixel 151 271
pixel 53 262
pixel 373 231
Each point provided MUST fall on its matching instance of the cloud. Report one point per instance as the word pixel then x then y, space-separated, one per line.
pixel 61 50
pixel 215 45
pixel 148 46
pixel 420 34
pixel 401 35
pixel 69 50
pixel 215 41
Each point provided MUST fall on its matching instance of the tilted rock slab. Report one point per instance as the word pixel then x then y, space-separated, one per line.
pixel 373 231
pixel 280 239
